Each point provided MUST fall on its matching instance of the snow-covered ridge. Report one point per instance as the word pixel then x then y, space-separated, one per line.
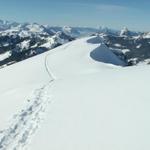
pixel 27 120
pixel 93 103
pixel 93 52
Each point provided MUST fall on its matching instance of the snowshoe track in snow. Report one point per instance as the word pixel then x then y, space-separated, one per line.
pixel 25 123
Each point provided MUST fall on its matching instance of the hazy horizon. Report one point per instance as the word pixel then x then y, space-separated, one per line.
pixel 80 13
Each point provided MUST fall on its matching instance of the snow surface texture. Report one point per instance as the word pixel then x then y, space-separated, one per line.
pixel 25 123
pixel 94 105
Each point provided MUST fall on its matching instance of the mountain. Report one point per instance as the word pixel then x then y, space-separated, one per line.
pixel 125 32
pixel 19 41
pixel 78 96
pixel 22 41
pixel 80 31
pixel 132 47
pixel 4 25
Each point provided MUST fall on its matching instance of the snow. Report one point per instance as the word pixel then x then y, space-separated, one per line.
pixel 67 29
pixel 35 28
pixel 139 46
pixel 24 34
pixel 117 45
pixel 146 35
pixel 88 56
pixel 71 99
pixel 124 31
pixel 146 61
pixel 125 50
pixel 24 45
pixel 50 42
pixel 5 55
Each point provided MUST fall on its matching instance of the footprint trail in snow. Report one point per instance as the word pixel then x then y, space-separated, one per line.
pixel 26 122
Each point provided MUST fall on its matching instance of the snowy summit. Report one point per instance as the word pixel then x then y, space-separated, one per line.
pixel 78 96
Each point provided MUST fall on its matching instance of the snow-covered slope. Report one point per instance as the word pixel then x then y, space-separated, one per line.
pixel 77 100
pixel 89 55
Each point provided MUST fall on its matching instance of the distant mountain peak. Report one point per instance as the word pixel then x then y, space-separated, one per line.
pixel 124 32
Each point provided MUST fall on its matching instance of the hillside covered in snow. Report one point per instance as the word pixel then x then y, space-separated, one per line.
pixel 78 96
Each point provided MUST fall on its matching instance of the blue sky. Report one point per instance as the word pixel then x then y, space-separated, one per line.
pixel 116 14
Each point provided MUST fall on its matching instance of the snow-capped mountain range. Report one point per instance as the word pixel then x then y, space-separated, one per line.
pixel 19 41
